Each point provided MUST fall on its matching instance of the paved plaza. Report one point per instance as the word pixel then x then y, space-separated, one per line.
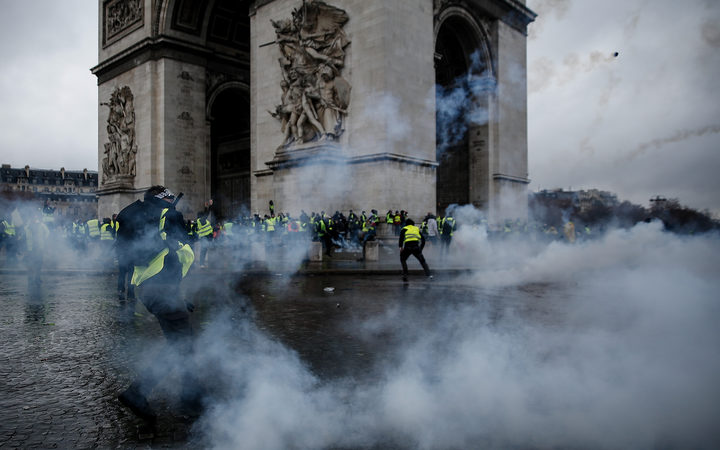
pixel 70 345
pixel 343 354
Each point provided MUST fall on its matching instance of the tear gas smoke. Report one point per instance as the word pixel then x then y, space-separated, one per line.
pixel 610 343
pixel 544 72
pixel 710 33
pixel 458 106
pixel 57 248
pixel 546 8
pixel 607 344
pixel 678 136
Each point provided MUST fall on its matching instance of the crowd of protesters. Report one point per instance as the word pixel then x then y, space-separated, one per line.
pixel 350 231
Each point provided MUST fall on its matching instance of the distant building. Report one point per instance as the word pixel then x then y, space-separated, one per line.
pixel 583 200
pixel 586 199
pixel 70 192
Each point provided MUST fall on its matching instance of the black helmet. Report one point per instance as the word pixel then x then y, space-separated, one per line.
pixel 160 192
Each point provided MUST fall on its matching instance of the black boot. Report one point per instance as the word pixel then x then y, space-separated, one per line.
pixel 137 403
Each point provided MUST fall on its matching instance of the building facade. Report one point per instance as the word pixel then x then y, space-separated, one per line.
pixel 70 192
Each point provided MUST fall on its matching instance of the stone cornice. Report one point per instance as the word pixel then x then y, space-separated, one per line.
pixel 392 157
pixel 511 178
pixel 327 153
pixel 511 12
pixel 150 49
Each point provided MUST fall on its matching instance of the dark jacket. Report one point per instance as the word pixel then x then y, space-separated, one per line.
pixel 138 232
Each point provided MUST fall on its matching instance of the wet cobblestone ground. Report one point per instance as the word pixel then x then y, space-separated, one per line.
pixel 66 347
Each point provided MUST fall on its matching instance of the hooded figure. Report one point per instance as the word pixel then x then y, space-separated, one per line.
pixel 153 236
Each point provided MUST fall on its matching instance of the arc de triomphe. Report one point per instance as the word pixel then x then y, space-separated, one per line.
pixel 316 105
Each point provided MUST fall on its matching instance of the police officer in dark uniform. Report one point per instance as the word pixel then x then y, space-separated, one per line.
pixel 412 242
pixel 157 240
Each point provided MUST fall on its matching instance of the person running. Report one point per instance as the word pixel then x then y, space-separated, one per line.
pixel 161 259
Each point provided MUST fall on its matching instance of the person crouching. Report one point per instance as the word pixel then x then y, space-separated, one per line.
pixel 412 242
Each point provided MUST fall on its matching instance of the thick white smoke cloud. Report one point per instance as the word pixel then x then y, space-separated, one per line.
pixel 457 105
pixel 607 344
pixel 60 251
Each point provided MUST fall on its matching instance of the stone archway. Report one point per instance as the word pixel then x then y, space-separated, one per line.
pixel 464 84
pixel 177 57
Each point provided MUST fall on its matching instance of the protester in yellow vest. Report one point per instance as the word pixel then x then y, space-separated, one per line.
pixel 93 226
pixel 157 239
pixel 8 239
pixel 204 234
pixel 107 230
pixel 412 242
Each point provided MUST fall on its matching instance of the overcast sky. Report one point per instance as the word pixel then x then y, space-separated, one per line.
pixel 643 123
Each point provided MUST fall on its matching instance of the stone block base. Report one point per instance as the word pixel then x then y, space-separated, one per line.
pixel 372 251
pixel 315 252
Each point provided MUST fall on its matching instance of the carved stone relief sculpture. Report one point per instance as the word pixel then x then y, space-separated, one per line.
pixel 315 96
pixel 120 151
pixel 120 16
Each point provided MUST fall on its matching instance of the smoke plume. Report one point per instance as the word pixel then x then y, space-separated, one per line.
pixel 605 344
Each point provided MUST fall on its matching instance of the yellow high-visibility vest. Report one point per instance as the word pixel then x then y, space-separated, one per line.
pixel 270 224
pixel 9 228
pixel 105 234
pixel 204 229
pixel 227 228
pixel 93 228
pixel 412 234
pixel 184 253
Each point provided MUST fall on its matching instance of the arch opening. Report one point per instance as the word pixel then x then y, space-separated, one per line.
pixel 230 153
pixel 463 82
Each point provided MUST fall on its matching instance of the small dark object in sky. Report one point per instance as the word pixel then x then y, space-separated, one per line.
pixel 616 54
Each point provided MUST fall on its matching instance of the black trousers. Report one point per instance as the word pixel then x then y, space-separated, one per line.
pixel 125 272
pixel 414 249
pixel 327 243
pixel 163 300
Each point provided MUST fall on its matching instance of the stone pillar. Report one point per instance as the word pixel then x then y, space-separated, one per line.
pixel 509 180
pixel 385 157
pixel 315 252
pixel 168 130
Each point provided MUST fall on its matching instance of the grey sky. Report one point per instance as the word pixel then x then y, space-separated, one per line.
pixel 644 123
pixel 48 95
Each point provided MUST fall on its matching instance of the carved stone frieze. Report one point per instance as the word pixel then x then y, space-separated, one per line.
pixel 121 17
pixel 185 75
pixel 214 79
pixel 121 148
pixel 315 97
